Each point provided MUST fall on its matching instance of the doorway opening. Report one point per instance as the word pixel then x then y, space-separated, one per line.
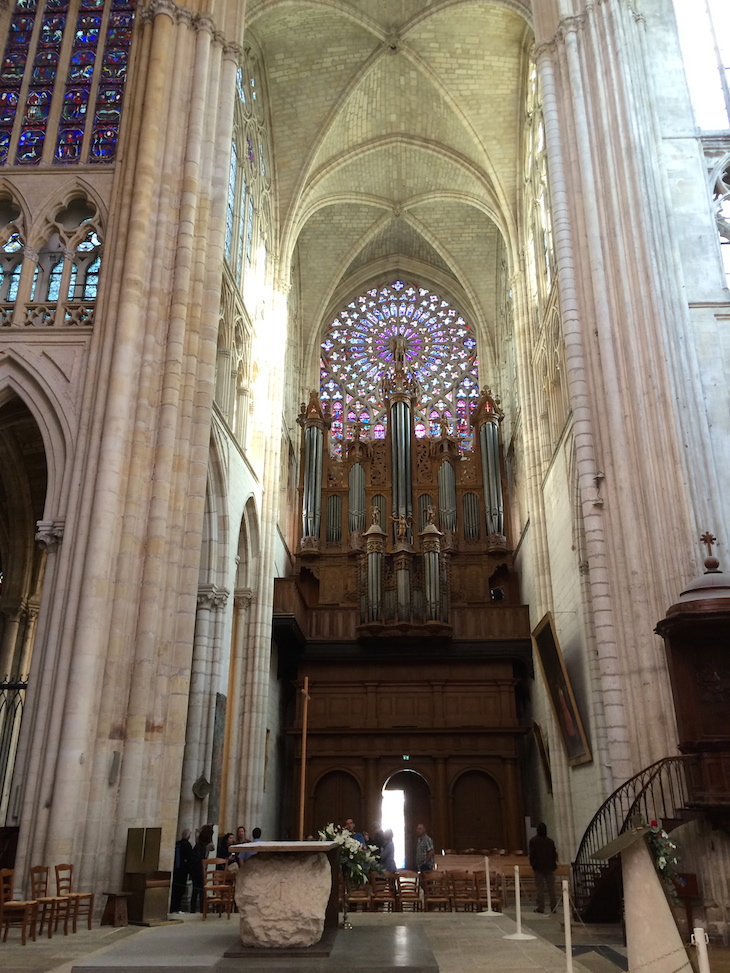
pixel 406 802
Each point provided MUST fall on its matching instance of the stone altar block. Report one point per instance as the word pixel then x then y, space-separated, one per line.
pixel 283 891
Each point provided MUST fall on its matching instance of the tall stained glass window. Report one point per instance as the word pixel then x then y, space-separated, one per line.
pixel 249 182
pixel 439 352
pixel 62 80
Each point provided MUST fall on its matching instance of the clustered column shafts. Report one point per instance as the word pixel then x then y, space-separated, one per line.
pixel 136 662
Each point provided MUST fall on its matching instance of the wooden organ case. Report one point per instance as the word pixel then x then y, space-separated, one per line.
pixel 403 612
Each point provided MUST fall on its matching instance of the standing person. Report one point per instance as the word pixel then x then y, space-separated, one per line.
pixel 387 852
pixel 544 860
pixel 424 850
pixel 202 847
pixel 255 838
pixel 181 870
pixel 351 827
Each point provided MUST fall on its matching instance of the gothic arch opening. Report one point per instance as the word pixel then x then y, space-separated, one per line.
pixel 476 812
pixel 337 796
pixel 416 809
pixel 23 487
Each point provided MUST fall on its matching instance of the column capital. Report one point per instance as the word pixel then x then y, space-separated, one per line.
pixel 242 598
pixel 210 596
pixel 49 533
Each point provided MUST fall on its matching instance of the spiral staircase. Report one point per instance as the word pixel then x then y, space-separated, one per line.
pixel 657 793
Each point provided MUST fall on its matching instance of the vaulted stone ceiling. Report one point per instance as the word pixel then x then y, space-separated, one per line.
pixel 397 138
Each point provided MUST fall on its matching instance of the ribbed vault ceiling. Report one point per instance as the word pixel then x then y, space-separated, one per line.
pixel 397 132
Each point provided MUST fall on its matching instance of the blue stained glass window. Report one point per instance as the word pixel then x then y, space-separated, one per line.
pixel 81 67
pixel 37 104
pixel 54 281
pixel 241 230
pixel 13 67
pixel 239 86
pixel 72 282
pixel 51 31
pixel 68 148
pixel 114 67
pixel 103 143
pixel 44 67
pixel 122 19
pixel 14 282
pixel 249 227
pixel 30 145
pixel 8 106
pixel 119 35
pixel 20 30
pixel 231 205
pixel 91 282
pixel 74 103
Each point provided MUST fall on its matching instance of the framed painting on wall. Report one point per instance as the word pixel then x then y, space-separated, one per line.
pixel 562 700
pixel 544 755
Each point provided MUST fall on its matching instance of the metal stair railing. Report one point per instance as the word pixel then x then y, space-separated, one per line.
pixel 656 793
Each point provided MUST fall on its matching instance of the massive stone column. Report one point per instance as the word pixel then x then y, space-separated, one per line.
pixel 621 324
pixel 113 654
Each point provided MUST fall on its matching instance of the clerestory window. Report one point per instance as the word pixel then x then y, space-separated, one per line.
pixel 62 79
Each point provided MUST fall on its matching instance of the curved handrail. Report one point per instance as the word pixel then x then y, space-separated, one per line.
pixel 659 790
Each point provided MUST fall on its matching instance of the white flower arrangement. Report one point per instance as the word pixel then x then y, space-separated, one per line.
pixel 663 851
pixel 356 860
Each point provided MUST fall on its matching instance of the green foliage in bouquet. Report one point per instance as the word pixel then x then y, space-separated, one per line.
pixel 664 853
pixel 356 860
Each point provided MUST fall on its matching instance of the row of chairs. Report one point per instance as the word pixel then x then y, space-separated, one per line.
pixel 451 891
pixel 66 906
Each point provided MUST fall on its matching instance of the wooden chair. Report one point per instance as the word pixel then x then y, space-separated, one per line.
pixel 495 892
pixel 409 891
pixel 52 907
pixel 12 913
pixel 82 903
pixel 436 891
pixel 217 892
pixel 383 891
pixel 359 896
pixel 464 893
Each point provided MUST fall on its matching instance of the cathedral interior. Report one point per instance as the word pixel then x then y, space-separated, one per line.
pixel 364 425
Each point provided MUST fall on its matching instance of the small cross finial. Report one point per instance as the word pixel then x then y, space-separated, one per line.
pixel 708 540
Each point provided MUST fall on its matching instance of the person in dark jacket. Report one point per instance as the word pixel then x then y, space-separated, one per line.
pixel 544 860
pixel 201 849
pixel 181 870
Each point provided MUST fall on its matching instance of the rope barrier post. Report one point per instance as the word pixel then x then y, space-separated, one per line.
pixel 518 910
pixel 568 931
pixel 489 910
pixel 700 940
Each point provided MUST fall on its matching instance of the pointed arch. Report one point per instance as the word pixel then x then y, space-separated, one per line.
pixel 17 377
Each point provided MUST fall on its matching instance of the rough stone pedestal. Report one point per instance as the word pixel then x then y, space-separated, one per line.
pixel 652 938
pixel 282 899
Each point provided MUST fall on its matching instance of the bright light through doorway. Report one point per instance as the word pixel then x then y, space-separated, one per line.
pixel 393 817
